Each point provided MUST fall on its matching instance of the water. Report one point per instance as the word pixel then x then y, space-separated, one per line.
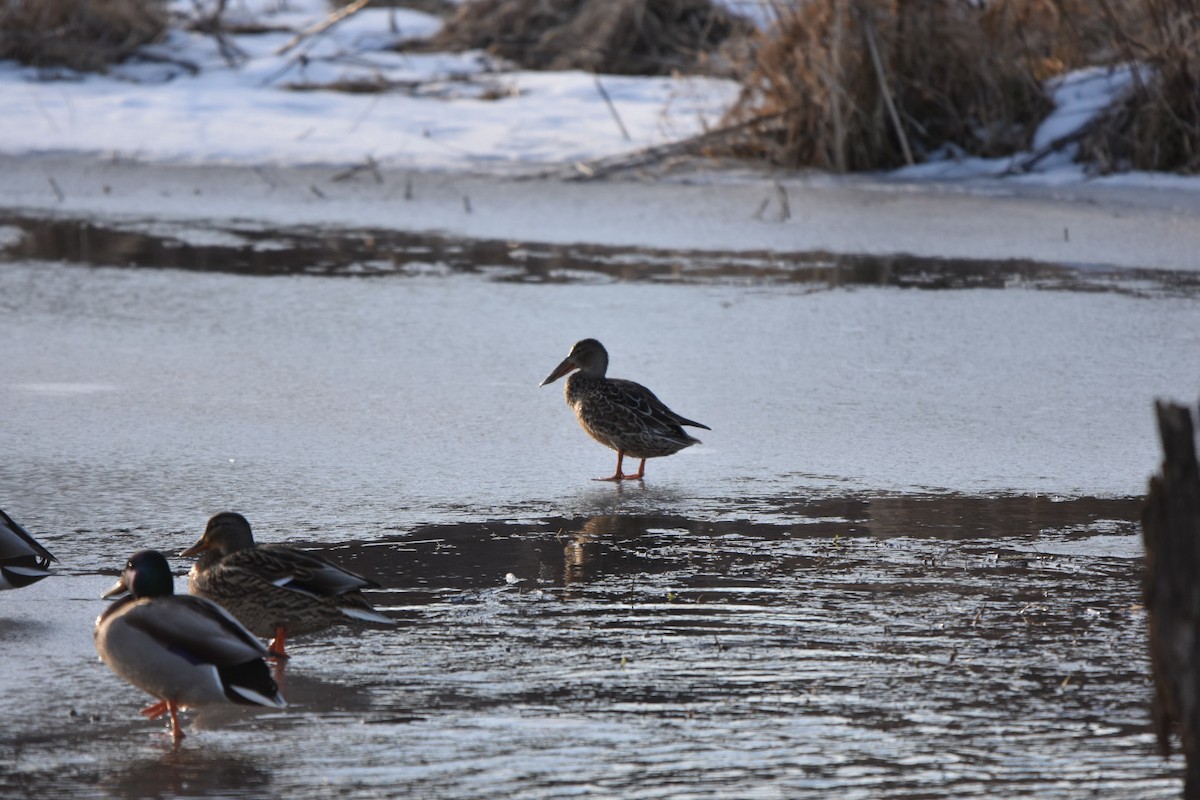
pixel 904 563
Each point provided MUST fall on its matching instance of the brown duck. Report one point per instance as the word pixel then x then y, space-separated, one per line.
pixel 274 590
pixel 620 414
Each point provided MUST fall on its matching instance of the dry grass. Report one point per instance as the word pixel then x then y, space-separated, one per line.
pixel 873 84
pixel 842 85
pixel 630 37
pixel 437 7
pixel 1157 124
pixel 85 35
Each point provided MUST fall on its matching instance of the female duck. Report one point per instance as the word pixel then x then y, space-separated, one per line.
pixel 22 560
pixel 274 590
pixel 620 414
pixel 184 650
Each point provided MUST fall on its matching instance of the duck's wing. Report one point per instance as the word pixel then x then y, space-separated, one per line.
pixel 645 405
pixel 196 628
pixel 297 570
pixel 16 542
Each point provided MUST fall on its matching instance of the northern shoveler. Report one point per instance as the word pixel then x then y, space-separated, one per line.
pixel 22 560
pixel 620 414
pixel 274 590
pixel 186 651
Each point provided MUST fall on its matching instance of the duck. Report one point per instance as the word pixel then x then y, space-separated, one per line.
pixel 620 414
pixel 187 651
pixel 22 560
pixel 276 591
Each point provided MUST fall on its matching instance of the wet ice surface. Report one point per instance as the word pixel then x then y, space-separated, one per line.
pixel 653 656
pixel 904 563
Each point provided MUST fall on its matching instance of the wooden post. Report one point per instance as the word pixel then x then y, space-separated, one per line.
pixel 1171 586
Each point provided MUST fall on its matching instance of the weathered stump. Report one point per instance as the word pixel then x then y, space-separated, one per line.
pixel 1171 586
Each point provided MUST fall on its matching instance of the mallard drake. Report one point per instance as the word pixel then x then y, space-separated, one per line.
pixel 22 560
pixel 186 651
pixel 620 414
pixel 274 590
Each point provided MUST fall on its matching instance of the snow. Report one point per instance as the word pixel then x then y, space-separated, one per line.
pixel 273 103
pixel 468 146
pixel 441 110
pixel 1078 98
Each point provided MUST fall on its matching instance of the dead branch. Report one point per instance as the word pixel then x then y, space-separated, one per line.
pixel 324 25
pixel 611 108
pixel 369 165
pixel 881 76
pixel 214 25
pixel 604 167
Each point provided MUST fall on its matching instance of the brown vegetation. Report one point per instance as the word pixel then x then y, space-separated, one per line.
pixel 78 34
pixel 1157 124
pixel 872 84
pixel 627 37
pixel 836 84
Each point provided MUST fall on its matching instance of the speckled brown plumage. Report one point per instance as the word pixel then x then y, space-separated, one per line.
pixel 274 590
pixel 620 414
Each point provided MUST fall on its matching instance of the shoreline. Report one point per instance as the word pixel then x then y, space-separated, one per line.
pixel 717 210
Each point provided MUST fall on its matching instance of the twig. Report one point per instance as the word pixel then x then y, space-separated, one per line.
pixel 368 165
pixel 212 24
pixel 366 111
pixel 766 201
pixel 1020 167
pixel 57 191
pixel 323 25
pixel 601 168
pixel 835 94
pixel 374 167
pixel 785 208
pixel 612 109
pixel 162 58
pixel 265 179
pixel 869 29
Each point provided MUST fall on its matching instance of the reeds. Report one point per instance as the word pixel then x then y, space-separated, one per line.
pixel 86 35
pixel 843 85
pixel 853 85
pixel 629 37
pixel 1156 125
pixel 872 84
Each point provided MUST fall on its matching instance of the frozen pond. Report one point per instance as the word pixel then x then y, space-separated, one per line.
pixel 904 563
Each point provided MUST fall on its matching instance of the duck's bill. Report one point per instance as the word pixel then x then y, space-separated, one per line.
pixel 195 550
pixel 117 589
pixel 562 369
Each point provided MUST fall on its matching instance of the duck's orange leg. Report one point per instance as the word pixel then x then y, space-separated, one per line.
pixel 618 476
pixel 276 648
pixel 176 730
pixel 155 711
pixel 278 671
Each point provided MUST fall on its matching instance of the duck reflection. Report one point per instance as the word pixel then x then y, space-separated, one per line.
pixel 593 549
pixel 189 772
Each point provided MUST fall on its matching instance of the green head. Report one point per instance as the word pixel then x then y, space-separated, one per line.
pixel 147 574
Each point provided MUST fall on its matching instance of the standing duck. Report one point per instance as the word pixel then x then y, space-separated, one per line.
pixel 22 560
pixel 620 414
pixel 274 590
pixel 184 650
